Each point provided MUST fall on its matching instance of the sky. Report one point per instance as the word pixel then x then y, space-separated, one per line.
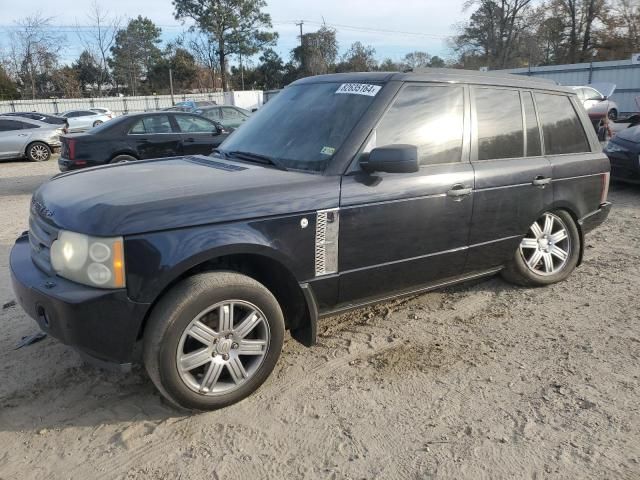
pixel 393 28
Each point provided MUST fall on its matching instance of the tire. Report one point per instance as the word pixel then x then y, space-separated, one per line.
pixel 122 159
pixel 175 331
pixel 613 114
pixel 38 152
pixel 97 122
pixel 520 271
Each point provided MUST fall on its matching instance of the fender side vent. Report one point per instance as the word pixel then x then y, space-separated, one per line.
pixel 327 229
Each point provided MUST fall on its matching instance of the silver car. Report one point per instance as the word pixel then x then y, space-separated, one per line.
pixel 23 137
pixel 82 120
pixel 596 100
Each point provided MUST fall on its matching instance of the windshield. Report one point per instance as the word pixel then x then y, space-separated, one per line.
pixel 304 125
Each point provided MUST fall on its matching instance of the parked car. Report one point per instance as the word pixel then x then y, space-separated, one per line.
pixel 41 117
pixel 230 117
pixel 596 100
pixel 82 120
pixel 373 185
pixel 141 136
pixel 190 106
pixel 104 111
pixel 26 138
pixel 623 151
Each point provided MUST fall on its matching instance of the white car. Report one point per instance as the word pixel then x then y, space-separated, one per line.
pixel 81 120
pixel 104 111
pixel 596 100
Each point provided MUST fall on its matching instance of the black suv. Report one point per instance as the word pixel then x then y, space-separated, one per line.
pixel 341 191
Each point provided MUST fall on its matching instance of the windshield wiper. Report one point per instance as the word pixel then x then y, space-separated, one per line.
pixel 255 158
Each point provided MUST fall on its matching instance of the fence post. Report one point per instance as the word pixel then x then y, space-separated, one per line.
pixel 124 103
pixel 13 106
pixel 91 103
pixel 157 101
pixel 55 106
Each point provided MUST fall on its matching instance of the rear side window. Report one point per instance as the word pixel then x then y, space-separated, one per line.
pixel 193 124
pixel 561 127
pixel 11 125
pixel 500 133
pixel 153 124
pixel 534 148
pixel 429 117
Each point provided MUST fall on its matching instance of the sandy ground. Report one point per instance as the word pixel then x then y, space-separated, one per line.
pixel 478 381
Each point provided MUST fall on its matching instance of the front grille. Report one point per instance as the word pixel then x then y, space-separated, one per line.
pixel 41 236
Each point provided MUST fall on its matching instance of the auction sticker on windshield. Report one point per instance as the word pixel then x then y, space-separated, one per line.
pixel 359 89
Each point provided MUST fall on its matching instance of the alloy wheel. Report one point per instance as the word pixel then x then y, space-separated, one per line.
pixel 223 347
pixel 547 246
pixel 39 152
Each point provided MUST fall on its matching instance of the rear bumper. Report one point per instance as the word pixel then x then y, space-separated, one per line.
pixel 596 218
pixel 103 324
pixel 65 165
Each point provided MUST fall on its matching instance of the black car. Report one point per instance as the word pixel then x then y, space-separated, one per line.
pixel 623 151
pixel 141 136
pixel 373 185
pixel 41 117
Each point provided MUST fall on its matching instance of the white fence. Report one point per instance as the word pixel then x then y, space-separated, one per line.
pixel 122 105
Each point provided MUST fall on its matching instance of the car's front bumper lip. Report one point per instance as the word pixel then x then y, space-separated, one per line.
pixel 595 218
pixel 101 323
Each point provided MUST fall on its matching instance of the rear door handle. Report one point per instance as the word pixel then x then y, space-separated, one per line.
pixel 189 140
pixel 541 181
pixel 458 191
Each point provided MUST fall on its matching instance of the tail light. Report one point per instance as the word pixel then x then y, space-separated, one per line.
pixel 71 146
pixel 604 191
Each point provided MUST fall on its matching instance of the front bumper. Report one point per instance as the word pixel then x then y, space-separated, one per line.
pixel 596 218
pixel 103 324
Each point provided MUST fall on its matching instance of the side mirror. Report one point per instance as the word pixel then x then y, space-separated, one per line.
pixel 218 130
pixel 392 159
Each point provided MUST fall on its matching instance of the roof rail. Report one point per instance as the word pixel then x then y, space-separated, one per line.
pixel 477 73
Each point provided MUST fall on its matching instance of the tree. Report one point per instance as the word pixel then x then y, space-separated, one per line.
pixel 204 48
pixel 416 60
pixel 359 58
pixel 183 70
pixel 135 52
pixel 238 26
pixel 317 53
pixel 271 69
pixel 388 65
pixel 97 40
pixel 88 73
pixel 65 82
pixel 34 53
pixel 436 62
pixel 620 36
pixel 8 88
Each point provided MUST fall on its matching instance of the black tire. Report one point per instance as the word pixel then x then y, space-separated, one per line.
pixel 97 122
pixel 38 152
pixel 122 159
pixel 613 114
pixel 518 272
pixel 175 312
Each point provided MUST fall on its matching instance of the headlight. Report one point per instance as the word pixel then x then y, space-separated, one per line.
pixel 93 261
pixel 614 147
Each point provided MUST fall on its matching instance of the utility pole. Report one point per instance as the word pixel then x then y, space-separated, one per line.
pixel 171 85
pixel 241 70
pixel 301 44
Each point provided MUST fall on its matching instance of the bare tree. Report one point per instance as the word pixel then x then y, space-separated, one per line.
pixel 98 39
pixel 33 53
pixel 204 48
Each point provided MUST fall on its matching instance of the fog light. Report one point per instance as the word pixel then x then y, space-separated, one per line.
pixel 98 273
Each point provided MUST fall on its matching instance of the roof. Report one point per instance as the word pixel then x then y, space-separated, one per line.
pixel 440 75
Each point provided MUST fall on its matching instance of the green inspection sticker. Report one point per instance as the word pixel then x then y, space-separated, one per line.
pixel 328 151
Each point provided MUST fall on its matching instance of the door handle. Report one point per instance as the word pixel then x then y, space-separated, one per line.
pixel 189 140
pixel 541 181
pixel 458 191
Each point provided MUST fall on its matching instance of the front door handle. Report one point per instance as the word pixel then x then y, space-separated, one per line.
pixel 541 181
pixel 189 140
pixel 458 191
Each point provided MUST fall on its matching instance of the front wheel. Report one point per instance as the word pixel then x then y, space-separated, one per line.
pixel 613 114
pixel 548 253
pixel 213 340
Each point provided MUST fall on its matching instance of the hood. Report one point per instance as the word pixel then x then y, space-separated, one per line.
pixel 629 134
pixel 605 88
pixel 152 195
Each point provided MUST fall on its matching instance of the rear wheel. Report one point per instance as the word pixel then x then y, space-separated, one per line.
pixel 548 253
pixel 97 122
pixel 38 152
pixel 213 340
pixel 122 159
pixel 613 114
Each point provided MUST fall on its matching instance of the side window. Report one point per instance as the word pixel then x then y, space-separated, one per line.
pixel 500 133
pixel 534 148
pixel 429 117
pixel 138 128
pixel 189 124
pixel 561 127
pixel 153 124
pixel 231 114
pixel 212 114
pixel 10 125
pixel 591 94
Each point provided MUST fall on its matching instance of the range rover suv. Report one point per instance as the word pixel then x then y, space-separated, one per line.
pixel 343 190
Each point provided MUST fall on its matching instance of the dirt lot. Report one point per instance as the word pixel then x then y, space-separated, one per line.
pixel 477 381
